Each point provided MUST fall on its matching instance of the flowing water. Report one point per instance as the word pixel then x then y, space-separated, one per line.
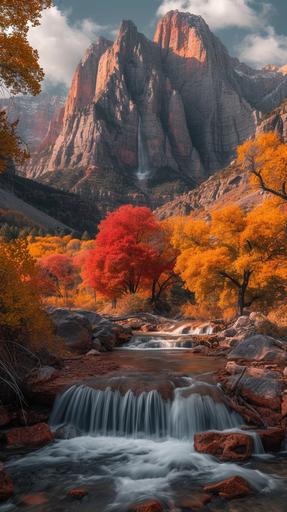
pixel 143 170
pixel 128 438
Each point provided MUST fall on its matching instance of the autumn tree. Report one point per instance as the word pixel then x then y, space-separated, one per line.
pixel 58 274
pixel 24 326
pixel 236 259
pixel 265 158
pixel 20 71
pixel 128 255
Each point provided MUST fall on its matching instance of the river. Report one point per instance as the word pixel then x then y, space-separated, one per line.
pixel 125 447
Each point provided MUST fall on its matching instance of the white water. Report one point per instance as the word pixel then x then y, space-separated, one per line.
pixel 158 341
pixel 129 447
pixel 143 170
pixel 189 329
pixel 107 412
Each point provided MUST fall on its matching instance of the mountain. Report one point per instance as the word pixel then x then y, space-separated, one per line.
pixel 145 120
pixel 35 115
pixel 275 121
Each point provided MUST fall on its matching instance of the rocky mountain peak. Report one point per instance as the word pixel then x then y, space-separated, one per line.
pixel 185 34
pixel 174 110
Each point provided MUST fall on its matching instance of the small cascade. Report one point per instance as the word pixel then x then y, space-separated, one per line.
pixel 147 415
pixel 189 329
pixel 143 170
pixel 157 341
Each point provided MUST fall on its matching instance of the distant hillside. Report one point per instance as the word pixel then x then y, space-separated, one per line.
pixel 226 186
pixel 47 207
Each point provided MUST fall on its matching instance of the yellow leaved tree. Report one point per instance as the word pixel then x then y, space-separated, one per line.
pixel 236 259
pixel 265 158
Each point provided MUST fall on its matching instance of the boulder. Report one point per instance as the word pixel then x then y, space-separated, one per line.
pixel 29 437
pixel 234 487
pixel 284 404
pixel 261 391
pixel 271 438
pixel 106 337
pixel 242 323
pixel 6 484
pixel 43 374
pixel 259 348
pixel 93 352
pixel 74 328
pixel 33 500
pixel 147 506
pixel 197 500
pixel 226 446
pixel 78 493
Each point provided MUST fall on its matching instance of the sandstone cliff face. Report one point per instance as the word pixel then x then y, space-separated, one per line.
pixel 35 114
pixel 187 101
pixel 275 121
pixel 228 186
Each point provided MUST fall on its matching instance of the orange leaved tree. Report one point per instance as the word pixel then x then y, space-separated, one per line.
pixel 235 260
pixel 265 158
pixel 24 326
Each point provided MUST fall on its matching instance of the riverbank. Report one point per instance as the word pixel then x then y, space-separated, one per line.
pixel 206 381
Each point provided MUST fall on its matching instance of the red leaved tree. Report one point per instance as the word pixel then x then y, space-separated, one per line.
pixel 57 274
pixel 129 255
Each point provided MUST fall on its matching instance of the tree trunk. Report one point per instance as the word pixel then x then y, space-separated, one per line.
pixel 242 292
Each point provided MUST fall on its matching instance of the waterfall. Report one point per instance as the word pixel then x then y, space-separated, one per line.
pixel 143 163
pixel 109 413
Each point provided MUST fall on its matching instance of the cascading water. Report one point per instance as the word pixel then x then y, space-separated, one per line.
pixel 127 447
pixel 109 413
pixel 143 170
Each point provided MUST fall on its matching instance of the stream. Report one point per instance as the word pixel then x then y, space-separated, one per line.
pixel 124 443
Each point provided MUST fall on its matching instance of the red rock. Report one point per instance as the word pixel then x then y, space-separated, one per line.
pixel 5 416
pixel 6 484
pixel 234 487
pixel 78 493
pixel 33 500
pixel 231 446
pixel 271 438
pixel 147 506
pixel 195 501
pixel 35 435
pixel 284 405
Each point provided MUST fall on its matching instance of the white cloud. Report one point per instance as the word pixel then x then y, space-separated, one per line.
pixel 220 13
pixel 260 49
pixel 60 44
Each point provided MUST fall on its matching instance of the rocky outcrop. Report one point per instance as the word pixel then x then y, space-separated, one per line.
pixel 83 330
pixel 35 115
pixel 29 437
pixel 231 488
pixel 230 185
pixel 181 98
pixel 276 122
pixel 147 506
pixel 260 348
pixel 232 446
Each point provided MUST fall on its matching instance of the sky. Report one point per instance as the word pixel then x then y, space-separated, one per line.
pixel 255 31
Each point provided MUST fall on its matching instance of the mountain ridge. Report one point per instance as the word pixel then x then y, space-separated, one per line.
pixel 181 94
